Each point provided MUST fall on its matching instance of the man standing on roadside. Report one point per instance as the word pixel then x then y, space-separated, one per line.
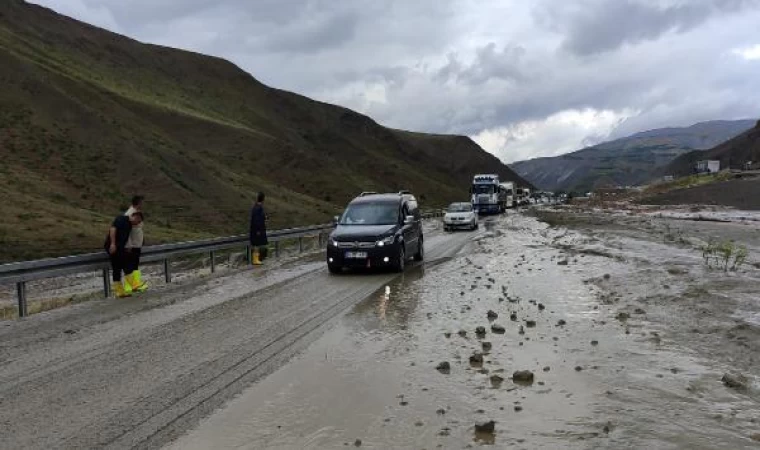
pixel 258 230
pixel 115 246
pixel 134 249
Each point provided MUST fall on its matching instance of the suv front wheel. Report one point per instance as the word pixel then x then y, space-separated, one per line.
pixel 401 259
pixel 420 250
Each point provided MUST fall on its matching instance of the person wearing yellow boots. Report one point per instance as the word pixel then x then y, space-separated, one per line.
pixel 134 250
pixel 258 230
pixel 115 246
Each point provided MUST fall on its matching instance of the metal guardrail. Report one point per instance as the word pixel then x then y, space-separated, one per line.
pixel 22 272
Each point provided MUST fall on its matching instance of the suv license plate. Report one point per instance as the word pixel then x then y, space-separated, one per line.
pixel 356 255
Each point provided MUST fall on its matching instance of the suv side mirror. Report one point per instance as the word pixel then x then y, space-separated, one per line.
pixel 336 219
pixel 409 220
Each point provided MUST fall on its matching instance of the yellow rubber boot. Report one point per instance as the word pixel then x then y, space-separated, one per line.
pixel 256 259
pixel 143 284
pixel 119 291
pixel 127 286
pixel 134 283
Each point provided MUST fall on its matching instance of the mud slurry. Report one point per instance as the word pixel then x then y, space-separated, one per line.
pixel 597 381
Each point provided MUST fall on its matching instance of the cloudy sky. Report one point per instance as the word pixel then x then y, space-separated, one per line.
pixel 524 78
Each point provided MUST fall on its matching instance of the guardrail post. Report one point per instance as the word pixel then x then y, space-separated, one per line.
pixel 300 245
pixel 276 249
pixel 249 255
pixel 167 271
pixel 107 282
pixel 21 289
pixel 213 261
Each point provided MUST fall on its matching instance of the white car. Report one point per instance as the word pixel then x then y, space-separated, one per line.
pixel 460 215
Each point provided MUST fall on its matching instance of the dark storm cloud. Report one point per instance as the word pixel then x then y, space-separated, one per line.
pixel 594 26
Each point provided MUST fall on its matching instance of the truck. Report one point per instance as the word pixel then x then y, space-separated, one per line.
pixel 507 195
pixel 486 192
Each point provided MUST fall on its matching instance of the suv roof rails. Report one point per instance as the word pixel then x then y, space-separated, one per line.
pixel 364 194
pixel 404 192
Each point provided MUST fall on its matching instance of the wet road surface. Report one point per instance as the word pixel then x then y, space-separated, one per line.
pixel 603 321
pixel 138 373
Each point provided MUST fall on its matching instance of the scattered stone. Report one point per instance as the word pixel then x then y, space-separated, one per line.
pixel 594 343
pixel 623 316
pixel 563 262
pixel 639 311
pixel 541 307
pixel 522 330
pixel 447 335
pixel 530 323
pixel 513 317
pixel 444 367
pixel 487 427
pixel 606 276
pixel 755 437
pixel 480 331
pixel 735 381
pixel 496 381
pixel 578 368
pixel 70 331
pixel 498 329
pixel 561 323
pixel 547 368
pixel 492 315
pixel 486 346
pixel 476 359
pixel 441 411
pixel 462 333
pixel 358 443
pixel 518 408
pixel 419 423
pixel 523 377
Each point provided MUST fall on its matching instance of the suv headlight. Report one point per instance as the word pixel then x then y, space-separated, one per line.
pixel 333 242
pixel 386 241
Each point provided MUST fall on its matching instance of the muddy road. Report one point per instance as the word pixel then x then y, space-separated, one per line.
pixel 137 373
pixel 602 331
pixel 624 334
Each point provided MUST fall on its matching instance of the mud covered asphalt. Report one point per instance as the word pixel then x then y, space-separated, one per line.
pixel 621 337
pixel 137 373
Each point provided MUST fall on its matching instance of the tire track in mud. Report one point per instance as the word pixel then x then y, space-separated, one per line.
pixel 115 398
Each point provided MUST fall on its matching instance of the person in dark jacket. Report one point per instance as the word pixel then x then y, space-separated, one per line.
pixel 258 230
pixel 115 246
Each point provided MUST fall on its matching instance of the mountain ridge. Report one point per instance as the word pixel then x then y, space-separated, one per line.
pixel 629 160
pixel 89 117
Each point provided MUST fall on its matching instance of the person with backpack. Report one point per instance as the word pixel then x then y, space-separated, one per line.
pixel 258 230
pixel 115 246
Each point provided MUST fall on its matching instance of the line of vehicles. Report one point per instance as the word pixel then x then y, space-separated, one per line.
pixel 385 230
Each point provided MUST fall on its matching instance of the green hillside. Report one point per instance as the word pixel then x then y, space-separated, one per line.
pixel 88 117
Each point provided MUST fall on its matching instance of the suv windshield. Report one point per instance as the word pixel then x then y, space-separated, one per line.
pixel 460 207
pixel 370 214
pixel 483 189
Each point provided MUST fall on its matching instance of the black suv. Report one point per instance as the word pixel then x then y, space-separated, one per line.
pixel 376 231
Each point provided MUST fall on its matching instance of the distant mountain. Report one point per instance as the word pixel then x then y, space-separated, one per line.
pixel 89 118
pixel 627 161
pixel 732 154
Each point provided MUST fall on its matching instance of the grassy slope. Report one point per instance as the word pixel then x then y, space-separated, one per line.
pixel 88 117
pixel 731 154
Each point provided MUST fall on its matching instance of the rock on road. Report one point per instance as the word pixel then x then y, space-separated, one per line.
pixel 139 373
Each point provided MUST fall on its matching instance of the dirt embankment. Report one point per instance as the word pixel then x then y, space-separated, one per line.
pixel 743 193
